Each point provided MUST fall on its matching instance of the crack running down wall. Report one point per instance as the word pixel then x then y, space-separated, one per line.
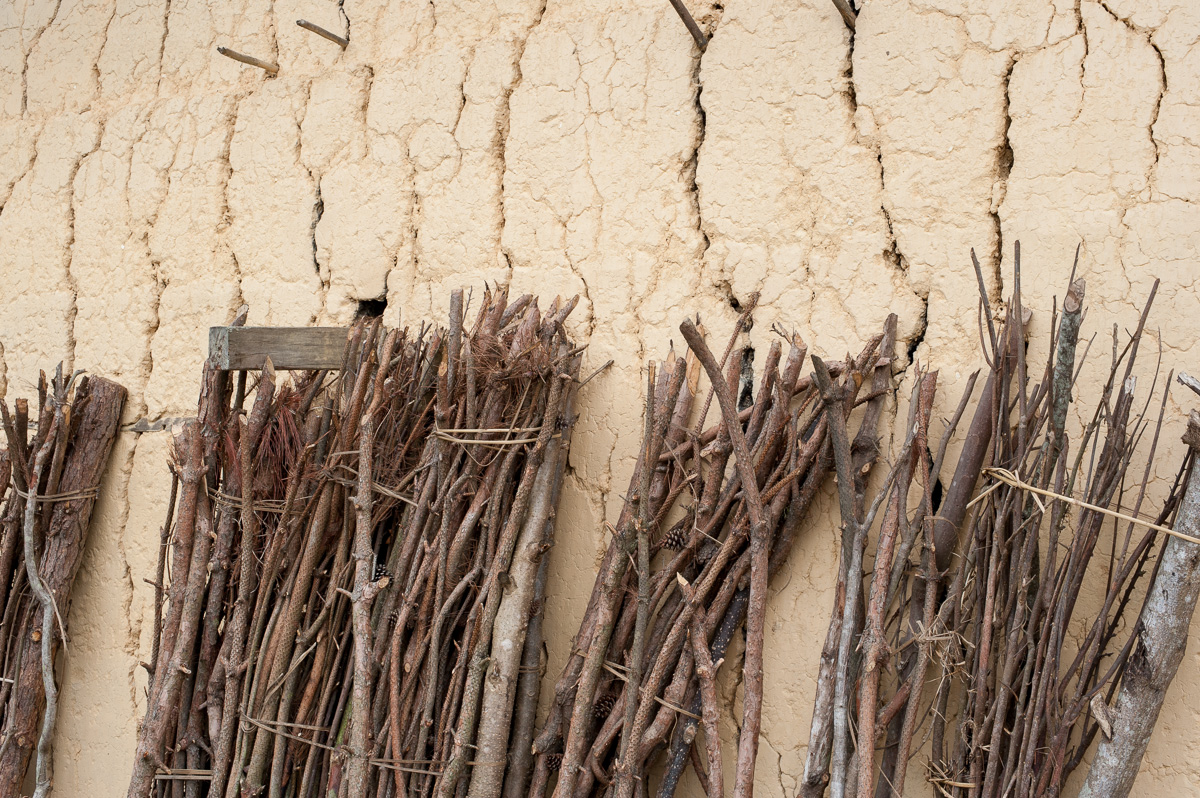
pixel 149 186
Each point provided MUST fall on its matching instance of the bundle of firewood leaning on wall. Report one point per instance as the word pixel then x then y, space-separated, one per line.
pixel 999 620
pixel 50 483
pixel 350 555
pixel 709 516
pixel 354 566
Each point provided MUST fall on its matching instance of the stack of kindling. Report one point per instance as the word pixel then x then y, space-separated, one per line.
pixel 348 556
pixel 999 619
pixel 709 516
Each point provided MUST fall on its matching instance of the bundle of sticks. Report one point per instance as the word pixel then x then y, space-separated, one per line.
pixel 969 634
pixel 710 515
pixel 50 481
pixel 345 563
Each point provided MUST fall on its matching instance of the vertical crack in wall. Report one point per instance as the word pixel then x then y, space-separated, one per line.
pixel 273 30
pixel 318 212
pixel 469 61
pixel 1148 35
pixel 504 126
pixel 29 51
pixel 162 46
pixel 100 55
pixel 29 164
pixel 160 285
pixel 72 283
pixel 1162 92
pixel 1082 30
pixel 1004 164
pixel 893 254
pixel 160 282
pixel 576 269
pixel 414 229
pixel 133 625
pixel 226 216
pixel 318 203
pixel 692 166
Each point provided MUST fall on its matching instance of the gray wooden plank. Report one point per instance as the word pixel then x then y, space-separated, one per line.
pixel 245 348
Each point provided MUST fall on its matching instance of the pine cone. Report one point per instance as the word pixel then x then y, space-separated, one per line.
pixel 604 705
pixel 380 572
pixel 675 539
pixel 554 761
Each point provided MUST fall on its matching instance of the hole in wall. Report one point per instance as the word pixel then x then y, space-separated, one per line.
pixel 370 308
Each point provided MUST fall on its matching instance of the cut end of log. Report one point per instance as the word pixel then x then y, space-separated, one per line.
pixel 1075 294
pixel 1192 435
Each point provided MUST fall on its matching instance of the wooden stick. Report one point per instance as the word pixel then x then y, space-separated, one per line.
pixel 237 630
pixel 340 41
pixel 270 69
pixel 873 642
pixel 1161 640
pixel 627 770
pixel 752 674
pixel 848 15
pixel 508 637
pixel 48 611
pixel 365 590
pixel 690 23
pixel 706 671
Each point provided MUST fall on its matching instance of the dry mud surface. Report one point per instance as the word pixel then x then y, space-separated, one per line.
pixel 149 186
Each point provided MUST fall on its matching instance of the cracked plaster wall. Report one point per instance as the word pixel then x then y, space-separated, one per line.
pixel 149 186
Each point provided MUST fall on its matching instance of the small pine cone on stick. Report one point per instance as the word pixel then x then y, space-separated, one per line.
pixel 604 706
pixel 676 537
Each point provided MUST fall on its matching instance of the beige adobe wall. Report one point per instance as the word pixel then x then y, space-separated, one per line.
pixel 149 186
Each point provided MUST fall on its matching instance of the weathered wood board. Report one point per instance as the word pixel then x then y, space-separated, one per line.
pixel 299 348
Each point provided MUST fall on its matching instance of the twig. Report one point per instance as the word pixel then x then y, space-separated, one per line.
pixel 270 69
pixel 690 24
pixel 340 41
pixel 49 611
pixel 759 554
pixel 847 12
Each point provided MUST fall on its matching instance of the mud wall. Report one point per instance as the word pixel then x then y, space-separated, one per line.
pixel 149 186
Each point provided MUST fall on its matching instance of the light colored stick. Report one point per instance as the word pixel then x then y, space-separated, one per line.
pixel 340 41
pixel 270 69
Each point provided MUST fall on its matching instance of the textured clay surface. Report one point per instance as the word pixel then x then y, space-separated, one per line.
pixel 148 186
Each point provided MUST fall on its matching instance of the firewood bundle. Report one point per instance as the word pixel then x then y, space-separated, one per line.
pixel 351 555
pixel 50 485
pixel 974 633
pixel 708 517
